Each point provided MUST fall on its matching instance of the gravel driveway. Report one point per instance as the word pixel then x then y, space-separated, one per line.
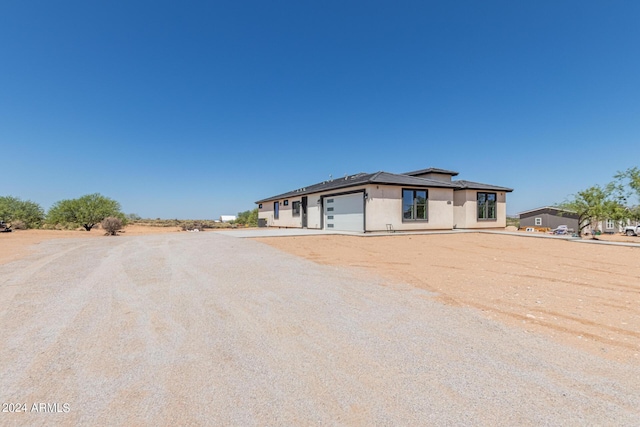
pixel 207 329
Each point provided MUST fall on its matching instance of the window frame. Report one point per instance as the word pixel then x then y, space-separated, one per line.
pixel 295 208
pixel 486 206
pixel 609 221
pixel 415 205
pixel 276 210
pixel 537 221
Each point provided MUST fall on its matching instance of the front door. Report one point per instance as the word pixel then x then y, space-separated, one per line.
pixel 303 207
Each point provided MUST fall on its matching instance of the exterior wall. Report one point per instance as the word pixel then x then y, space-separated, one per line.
pixel 384 206
pixel 548 221
pixel 437 176
pixel 466 210
pixel 286 218
pixel 447 209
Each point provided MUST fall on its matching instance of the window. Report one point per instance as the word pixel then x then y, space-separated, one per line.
pixel 609 224
pixel 286 203
pixel 260 206
pixel 295 209
pixel 329 209
pixel 538 221
pixel 487 206
pixel 329 200
pixel 414 205
pixel 276 210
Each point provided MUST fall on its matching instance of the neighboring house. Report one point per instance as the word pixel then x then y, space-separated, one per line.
pixel 549 217
pixel 228 218
pixel 427 199
pixel 610 226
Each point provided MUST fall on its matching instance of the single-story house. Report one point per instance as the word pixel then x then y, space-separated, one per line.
pixel 549 217
pixel 427 199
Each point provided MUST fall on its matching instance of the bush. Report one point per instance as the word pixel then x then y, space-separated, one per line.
pixel 25 212
pixel 18 225
pixel 111 225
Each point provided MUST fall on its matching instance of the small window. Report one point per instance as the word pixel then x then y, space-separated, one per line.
pixel 286 203
pixel 329 209
pixel 610 224
pixel 295 209
pixel 330 217
pixel 276 210
pixel 329 200
pixel 538 221
pixel 260 206
pixel 329 225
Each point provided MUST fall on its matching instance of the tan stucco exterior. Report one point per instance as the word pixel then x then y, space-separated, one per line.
pixel 448 206
pixel 465 210
pixel 384 206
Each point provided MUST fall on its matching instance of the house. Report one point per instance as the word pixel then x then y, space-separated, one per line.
pixel 549 217
pixel 227 218
pixel 427 199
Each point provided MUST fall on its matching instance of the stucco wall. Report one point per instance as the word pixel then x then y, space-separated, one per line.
pixel 466 210
pixel 286 218
pixel 384 206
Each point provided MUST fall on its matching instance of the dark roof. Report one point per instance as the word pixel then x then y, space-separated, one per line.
pixel 470 185
pixel 548 209
pixel 431 170
pixel 385 178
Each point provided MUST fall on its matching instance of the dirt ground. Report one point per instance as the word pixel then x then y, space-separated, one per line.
pixel 583 295
pixel 19 243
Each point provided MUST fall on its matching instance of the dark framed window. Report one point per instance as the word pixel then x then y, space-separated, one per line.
pixel 415 205
pixel 487 206
pixel 286 203
pixel 276 210
pixel 260 206
pixel 295 209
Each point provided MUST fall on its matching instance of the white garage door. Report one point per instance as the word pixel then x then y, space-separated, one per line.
pixel 344 213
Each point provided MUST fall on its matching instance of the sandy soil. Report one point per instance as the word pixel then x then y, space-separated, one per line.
pixel 208 329
pixel 19 243
pixel 580 294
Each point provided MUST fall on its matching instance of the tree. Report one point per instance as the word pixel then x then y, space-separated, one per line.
pixel 86 211
pixel 248 218
pixel 632 178
pixel 596 204
pixel 29 213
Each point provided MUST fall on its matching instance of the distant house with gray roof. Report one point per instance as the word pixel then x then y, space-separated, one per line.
pixel 549 217
pixel 427 199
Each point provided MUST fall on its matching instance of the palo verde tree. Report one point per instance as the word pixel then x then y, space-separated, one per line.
pixel 596 204
pixel 86 211
pixel 14 210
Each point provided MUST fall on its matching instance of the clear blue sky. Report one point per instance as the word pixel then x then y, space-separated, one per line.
pixel 196 109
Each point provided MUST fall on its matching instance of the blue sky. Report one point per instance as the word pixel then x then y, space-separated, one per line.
pixel 197 109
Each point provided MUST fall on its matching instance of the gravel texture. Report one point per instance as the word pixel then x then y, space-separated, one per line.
pixel 206 329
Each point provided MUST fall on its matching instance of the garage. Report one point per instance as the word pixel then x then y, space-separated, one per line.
pixel 345 212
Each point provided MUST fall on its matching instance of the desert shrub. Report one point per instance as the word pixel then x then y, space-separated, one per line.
pixel 18 225
pixel 111 225
pixel 248 218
